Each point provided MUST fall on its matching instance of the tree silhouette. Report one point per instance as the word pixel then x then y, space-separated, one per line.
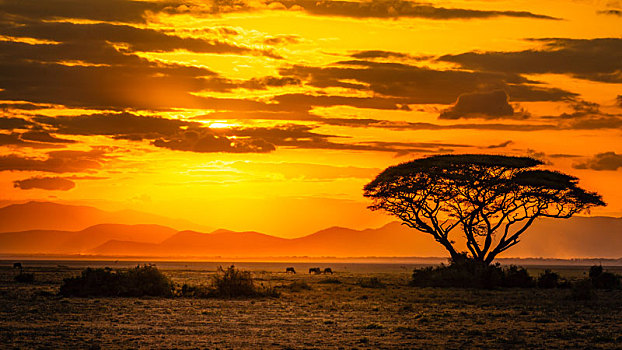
pixel 492 198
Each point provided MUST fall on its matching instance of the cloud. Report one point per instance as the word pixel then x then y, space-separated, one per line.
pixel 13 123
pixel 419 85
pixel 203 141
pixel 56 162
pixel 619 100
pixel 610 12
pixel 42 136
pixel 395 9
pixel 45 183
pixel 501 145
pixel 602 161
pixel 592 59
pixel 487 105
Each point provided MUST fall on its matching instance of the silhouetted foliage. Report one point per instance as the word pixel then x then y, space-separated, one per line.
pixel 330 281
pixel 193 291
pixel 299 286
pixel 469 273
pixel 583 290
pixel 103 282
pixel 234 283
pixel 372 282
pixel 549 279
pixel 492 198
pixel 603 280
pixel 25 277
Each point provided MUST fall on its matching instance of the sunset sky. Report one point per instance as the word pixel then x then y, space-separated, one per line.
pixel 273 115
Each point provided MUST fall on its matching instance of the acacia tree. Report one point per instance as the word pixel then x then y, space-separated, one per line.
pixel 493 199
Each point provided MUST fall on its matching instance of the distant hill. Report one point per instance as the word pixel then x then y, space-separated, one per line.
pixel 578 237
pixel 55 216
pixel 79 242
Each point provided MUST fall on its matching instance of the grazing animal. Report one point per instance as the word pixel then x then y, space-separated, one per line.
pixel 315 270
pixel 290 269
pixel 328 270
pixel 17 265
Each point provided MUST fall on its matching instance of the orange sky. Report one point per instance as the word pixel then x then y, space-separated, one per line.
pixel 272 115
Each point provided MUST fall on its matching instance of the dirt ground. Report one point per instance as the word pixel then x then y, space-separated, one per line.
pixel 337 313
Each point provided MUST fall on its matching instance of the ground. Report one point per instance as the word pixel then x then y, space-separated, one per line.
pixel 337 312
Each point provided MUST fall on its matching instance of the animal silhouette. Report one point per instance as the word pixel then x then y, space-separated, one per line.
pixel 315 270
pixel 17 265
pixel 328 270
pixel 290 269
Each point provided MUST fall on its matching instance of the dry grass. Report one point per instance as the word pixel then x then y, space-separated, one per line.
pixel 325 315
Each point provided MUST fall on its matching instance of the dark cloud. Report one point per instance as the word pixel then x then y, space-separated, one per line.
pixel 501 145
pixel 56 161
pixel 487 104
pixel 396 9
pixel 592 59
pixel 121 125
pixel 420 85
pixel 371 54
pixel 42 136
pixel 202 140
pixel 45 183
pixel 137 39
pixel 13 123
pixel 602 161
pixel 610 12
pixel 283 39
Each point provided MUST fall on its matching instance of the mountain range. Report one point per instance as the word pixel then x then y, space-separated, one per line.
pixel 578 237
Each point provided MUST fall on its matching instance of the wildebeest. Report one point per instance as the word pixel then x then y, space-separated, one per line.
pixel 290 269
pixel 17 265
pixel 315 270
pixel 328 270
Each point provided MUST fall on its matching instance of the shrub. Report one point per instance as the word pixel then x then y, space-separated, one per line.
pixel 469 273
pixel 583 290
pixel 548 279
pixel 190 291
pixel 373 282
pixel 25 277
pixel 517 277
pixel 603 280
pixel 298 286
pixel 330 281
pixel 103 282
pixel 234 283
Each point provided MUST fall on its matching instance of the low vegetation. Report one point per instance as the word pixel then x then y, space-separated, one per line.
pixel 25 277
pixel 147 280
pixel 469 273
pixel 104 282
pixel 372 282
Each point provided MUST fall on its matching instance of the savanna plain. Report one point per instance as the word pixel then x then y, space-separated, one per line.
pixel 359 306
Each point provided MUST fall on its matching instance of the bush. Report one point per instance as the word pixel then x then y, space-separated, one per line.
pixel 103 282
pixel 234 283
pixel 25 277
pixel 583 290
pixel 603 280
pixel 517 277
pixel 190 291
pixel 548 279
pixel 469 273
pixel 299 286
pixel 373 282
pixel 330 281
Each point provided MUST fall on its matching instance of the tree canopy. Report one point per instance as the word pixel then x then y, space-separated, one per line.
pixel 493 199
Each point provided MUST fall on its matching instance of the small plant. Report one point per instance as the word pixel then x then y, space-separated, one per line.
pixel 234 283
pixel 583 290
pixel 25 277
pixel 330 281
pixel 603 280
pixel 299 286
pixel 373 282
pixel 548 279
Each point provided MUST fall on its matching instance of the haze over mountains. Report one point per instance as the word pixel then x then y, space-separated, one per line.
pixel 579 237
